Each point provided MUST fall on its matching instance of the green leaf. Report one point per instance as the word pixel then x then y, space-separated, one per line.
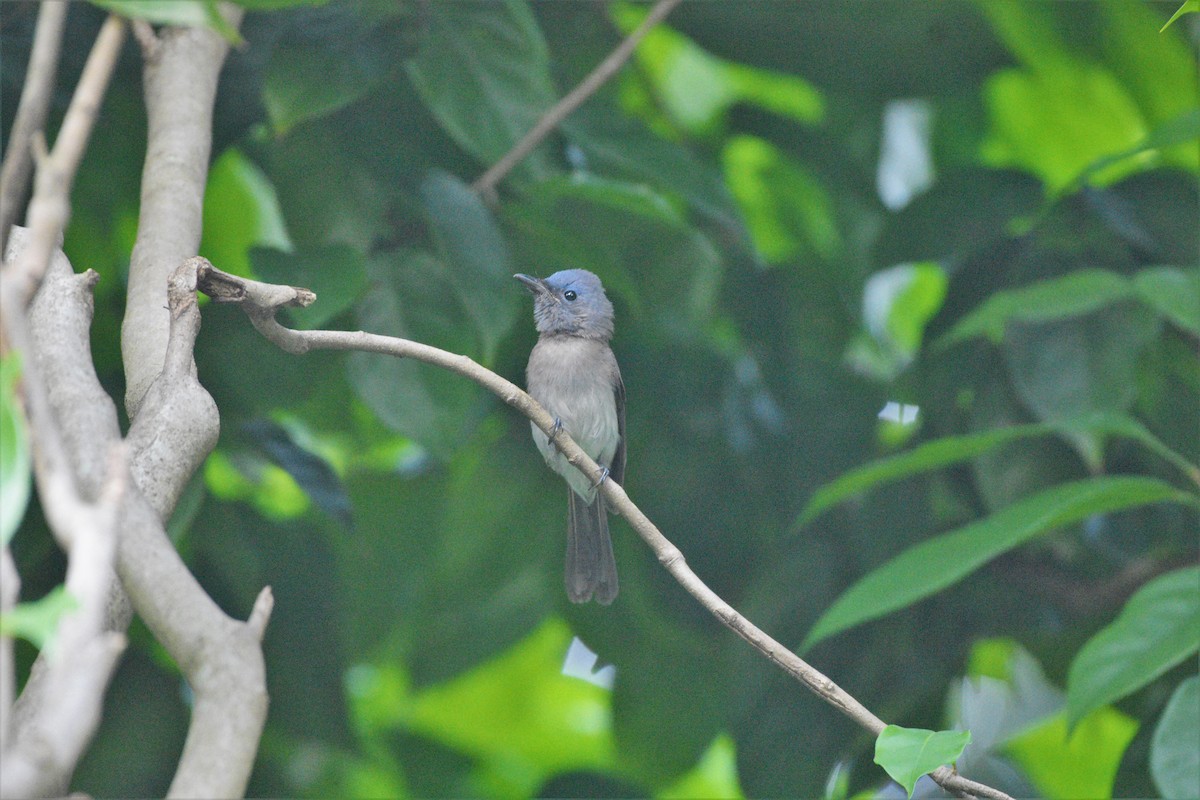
pixel 898 302
pixel 923 458
pixel 1172 292
pixel 1072 295
pixel 908 753
pixel 484 72
pixel 631 198
pixel 698 89
pixel 1180 130
pixel 1188 7
pixel 956 449
pixel 532 713
pixel 337 273
pixel 1174 757
pixel 241 210
pixel 471 245
pixel 1066 764
pixel 16 466
pixel 787 210
pixel 186 13
pixel 312 76
pixel 275 5
pixel 941 562
pixel 37 621
pixel 413 296
pixel 1157 628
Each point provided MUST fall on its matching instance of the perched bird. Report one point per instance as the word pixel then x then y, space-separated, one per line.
pixel 573 374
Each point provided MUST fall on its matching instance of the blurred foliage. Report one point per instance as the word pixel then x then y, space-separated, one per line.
pixel 1032 305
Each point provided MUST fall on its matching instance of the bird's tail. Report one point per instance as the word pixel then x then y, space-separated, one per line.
pixel 591 570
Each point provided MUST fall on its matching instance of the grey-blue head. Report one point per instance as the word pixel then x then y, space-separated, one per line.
pixel 570 302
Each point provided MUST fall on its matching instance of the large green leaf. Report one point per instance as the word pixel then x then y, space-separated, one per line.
pixel 1157 628
pixel 1072 295
pixel 1172 292
pixel 412 295
pixel 472 247
pixel 483 70
pixel 941 562
pixel 1174 756
pixel 956 449
pixel 15 462
pixel 923 458
pixel 908 753
pixel 1067 764
pixel 187 13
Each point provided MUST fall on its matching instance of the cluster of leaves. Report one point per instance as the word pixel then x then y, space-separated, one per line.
pixel 1039 303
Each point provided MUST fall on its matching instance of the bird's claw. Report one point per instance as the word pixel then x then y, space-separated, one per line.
pixel 603 477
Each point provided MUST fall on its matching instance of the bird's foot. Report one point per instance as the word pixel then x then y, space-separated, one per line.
pixel 603 477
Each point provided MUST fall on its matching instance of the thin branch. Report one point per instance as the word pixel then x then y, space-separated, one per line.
pixel 51 204
pixel 260 302
pixel 10 586
pixel 32 111
pixel 486 183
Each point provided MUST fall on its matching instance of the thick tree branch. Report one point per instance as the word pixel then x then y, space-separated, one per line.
pixel 32 111
pixel 486 183
pixel 174 425
pixel 260 302
pixel 180 79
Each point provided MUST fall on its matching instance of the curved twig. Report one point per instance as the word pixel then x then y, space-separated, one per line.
pixel 486 183
pixel 262 300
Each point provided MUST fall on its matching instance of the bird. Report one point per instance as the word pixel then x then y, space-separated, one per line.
pixel 573 374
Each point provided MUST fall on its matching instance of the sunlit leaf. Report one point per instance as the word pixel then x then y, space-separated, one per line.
pixel 1067 764
pixel 1157 628
pixel 698 88
pixel 714 776
pixel 37 621
pixel 908 753
pixel 1174 757
pixel 483 70
pixel 15 463
pixel 941 562
pixel 536 717
pixel 241 210
pixel 1188 7
pixel 787 210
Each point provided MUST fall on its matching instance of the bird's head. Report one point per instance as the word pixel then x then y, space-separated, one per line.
pixel 570 302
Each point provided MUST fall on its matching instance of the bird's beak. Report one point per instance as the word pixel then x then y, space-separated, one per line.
pixel 535 285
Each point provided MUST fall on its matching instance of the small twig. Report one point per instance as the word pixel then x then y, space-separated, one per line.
pixel 32 111
pixel 260 301
pixel 485 184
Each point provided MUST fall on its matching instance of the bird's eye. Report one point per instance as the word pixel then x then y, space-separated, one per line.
pixel 570 294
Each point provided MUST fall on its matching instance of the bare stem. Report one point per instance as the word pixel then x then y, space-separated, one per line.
pixel 31 112
pixel 262 300
pixel 486 183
